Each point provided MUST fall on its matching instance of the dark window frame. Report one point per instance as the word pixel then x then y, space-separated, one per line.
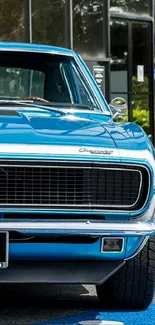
pixel 150 92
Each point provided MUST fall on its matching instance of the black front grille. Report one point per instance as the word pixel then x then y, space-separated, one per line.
pixel 73 186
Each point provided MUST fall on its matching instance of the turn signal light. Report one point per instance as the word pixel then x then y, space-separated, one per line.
pixel 112 245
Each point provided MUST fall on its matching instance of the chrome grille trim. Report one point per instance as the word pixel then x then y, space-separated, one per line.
pixel 83 205
pixel 77 166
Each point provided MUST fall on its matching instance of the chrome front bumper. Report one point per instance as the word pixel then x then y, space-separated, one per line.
pixel 82 227
pixel 142 226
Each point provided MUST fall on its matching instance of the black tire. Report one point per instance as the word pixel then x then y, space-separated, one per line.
pixel 133 285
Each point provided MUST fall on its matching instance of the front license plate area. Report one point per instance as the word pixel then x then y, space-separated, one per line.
pixel 4 246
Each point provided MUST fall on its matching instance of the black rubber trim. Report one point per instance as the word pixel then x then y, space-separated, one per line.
pixel 65 272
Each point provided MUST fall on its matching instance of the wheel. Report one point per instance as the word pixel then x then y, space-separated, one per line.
pixel 133 285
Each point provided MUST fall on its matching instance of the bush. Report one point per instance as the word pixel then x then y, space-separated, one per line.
pixel 140 117
pixel 140 111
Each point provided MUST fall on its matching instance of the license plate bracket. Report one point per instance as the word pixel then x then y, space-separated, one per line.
pixel 4 249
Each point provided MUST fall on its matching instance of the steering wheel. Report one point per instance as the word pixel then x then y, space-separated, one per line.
pixel 35 99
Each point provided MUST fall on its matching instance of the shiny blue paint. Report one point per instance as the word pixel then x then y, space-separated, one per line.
pixel 31 129
pixel 29 47
pixel 133 244
pixel 85 130
pixel 124 135
pixel 36 251
pixel 50 251
pixel 53 130
pixel 44 127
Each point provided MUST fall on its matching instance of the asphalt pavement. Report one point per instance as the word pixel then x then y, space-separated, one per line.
pixel 62 305
pixel 31 304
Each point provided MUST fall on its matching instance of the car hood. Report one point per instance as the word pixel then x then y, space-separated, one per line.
pixel 82 130
pixel 37 128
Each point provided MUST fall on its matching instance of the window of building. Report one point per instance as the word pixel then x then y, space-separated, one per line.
pixel 88 28
pixel 140 75
pixel 12 21
pixel 132 6
pixel 119 59
pixel 119 56
pixel 130 68
pixel 48 22
pixel 140 54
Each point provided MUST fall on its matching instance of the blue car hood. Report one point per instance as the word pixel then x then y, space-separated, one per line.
pixel 43 128
pixel 39 127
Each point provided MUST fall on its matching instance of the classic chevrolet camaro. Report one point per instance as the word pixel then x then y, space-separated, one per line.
pixel 77 188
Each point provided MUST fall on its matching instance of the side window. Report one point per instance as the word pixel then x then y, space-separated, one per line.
pixel 56 88
pixel 85 98
pixel 83 93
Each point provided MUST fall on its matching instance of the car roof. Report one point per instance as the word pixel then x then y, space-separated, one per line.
pixel 29 47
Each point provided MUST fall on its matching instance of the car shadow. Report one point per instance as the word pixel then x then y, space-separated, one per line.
pixel 25 304
pixel 47 295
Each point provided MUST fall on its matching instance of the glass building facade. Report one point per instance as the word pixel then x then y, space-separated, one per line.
pixel 114 37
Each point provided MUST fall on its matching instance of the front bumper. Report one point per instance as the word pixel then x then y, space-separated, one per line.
pixel 144 225
pixel 82 227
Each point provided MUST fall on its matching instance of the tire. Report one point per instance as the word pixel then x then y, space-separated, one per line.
pixel 133 285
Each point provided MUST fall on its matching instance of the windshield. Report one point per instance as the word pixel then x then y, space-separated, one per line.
pixel 55 78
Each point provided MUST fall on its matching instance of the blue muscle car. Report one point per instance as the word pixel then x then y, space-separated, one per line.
pixel 77 188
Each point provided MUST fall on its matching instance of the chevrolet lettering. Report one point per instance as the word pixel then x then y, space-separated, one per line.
pixel 97 152
pixel 77 185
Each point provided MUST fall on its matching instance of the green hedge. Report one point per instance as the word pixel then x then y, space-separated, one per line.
pixel 140 104
pixel 141 117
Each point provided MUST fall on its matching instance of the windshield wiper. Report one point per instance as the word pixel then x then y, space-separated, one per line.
pixel 20 102
pixel 57 107
pixel 73 106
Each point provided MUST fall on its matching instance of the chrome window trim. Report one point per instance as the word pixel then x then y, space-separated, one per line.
pixel 90 85
pixel 77 73
pixel 30 50
pixel 56 206
pixel 72 55
pixel 63 72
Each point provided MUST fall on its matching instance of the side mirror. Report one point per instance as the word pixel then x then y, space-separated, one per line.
pixel 118 107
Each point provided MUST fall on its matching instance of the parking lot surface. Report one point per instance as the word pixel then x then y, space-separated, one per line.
pixel 58 304
pixel 30 304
